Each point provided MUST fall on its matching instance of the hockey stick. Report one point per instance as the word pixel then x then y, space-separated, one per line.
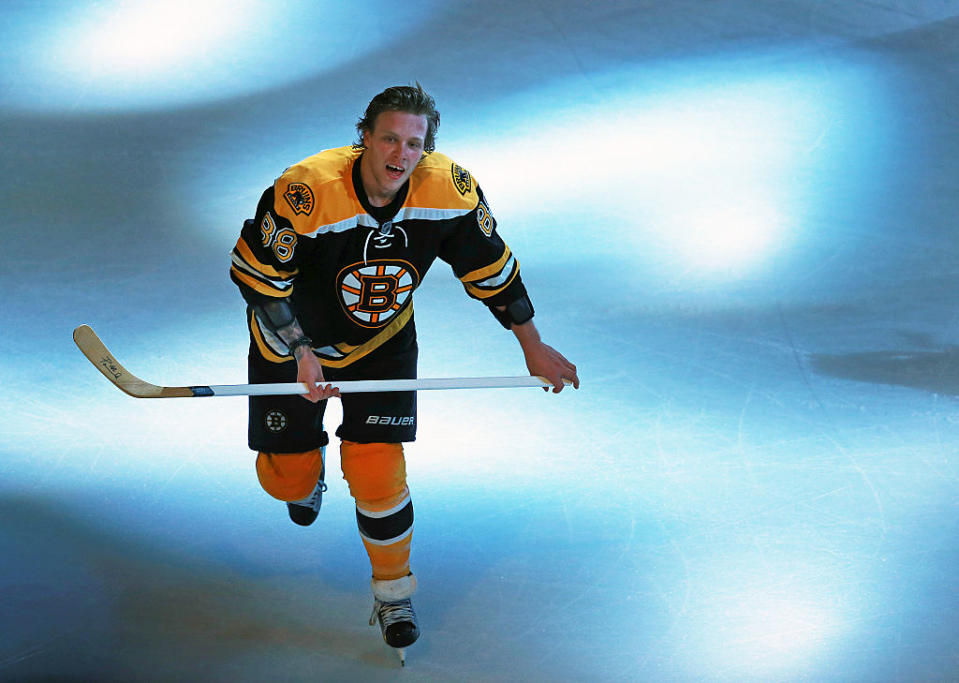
pixel 98 354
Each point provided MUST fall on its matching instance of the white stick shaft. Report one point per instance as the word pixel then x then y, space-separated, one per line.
pixel 360 386
pixel 97 353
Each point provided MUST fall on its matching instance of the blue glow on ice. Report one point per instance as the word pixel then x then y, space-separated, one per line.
pixel 706 171
pixel 760 486
pixel 156 54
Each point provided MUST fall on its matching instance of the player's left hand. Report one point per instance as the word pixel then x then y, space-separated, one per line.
pixel 545 361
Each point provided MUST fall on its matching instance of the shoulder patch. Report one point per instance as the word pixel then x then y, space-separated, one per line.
pixel 300 198
pixel 461 179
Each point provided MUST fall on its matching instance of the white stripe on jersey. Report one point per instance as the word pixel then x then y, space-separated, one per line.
pixel 406 213
pixel 423 213
pixel 501 277
pixel 331 353
pixel 362 219
pixel 238 261
pixel 276 345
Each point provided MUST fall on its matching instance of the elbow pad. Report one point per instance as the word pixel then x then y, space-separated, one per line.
pixel 276 314
pixel 518 312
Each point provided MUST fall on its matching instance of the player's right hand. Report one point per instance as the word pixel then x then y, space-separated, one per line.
pixel 310 373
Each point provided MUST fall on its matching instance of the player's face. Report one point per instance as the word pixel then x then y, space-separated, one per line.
pixel 393 148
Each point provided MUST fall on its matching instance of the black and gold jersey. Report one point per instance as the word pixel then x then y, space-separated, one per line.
pixel 349 269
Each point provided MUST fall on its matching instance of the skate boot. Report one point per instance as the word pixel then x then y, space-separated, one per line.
pixel 304 512
pixel 394 610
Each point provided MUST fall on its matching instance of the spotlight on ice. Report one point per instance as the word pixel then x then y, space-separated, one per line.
pixel 725 234
pixel 120 55
pixel 714 167
pixel 752 629
pixel 774 633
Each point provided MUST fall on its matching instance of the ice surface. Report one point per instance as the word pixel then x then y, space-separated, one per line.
pixel 736 218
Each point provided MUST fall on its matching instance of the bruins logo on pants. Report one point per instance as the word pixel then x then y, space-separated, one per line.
pixel 373 292
pixel 276 421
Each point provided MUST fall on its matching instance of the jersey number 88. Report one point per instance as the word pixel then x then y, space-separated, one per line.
pixel 283 241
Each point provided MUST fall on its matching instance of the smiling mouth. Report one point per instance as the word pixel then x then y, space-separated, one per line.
pixel 395 171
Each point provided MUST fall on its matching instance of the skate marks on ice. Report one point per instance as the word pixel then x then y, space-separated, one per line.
pixel 932 371
pixel 89 603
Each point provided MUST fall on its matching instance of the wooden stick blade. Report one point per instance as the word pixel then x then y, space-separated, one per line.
pixel 97 353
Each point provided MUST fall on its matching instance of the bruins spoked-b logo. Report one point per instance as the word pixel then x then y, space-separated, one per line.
pixel 300 198
pixel 276 421
pixel 461 179
pixel 372 293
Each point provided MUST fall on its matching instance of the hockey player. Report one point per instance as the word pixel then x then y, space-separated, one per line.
pixel 327 267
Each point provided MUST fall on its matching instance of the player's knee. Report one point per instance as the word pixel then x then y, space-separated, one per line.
pixel 289 476
pixel 375 472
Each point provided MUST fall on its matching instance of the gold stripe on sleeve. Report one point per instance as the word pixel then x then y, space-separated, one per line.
pixel 492 269
pixel 259 285
pixel 486 293
pixel 244 250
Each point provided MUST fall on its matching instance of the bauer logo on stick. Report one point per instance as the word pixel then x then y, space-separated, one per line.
pixel 300 198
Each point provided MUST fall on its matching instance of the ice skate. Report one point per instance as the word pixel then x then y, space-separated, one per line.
pixel 305 511
pixel 394 611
